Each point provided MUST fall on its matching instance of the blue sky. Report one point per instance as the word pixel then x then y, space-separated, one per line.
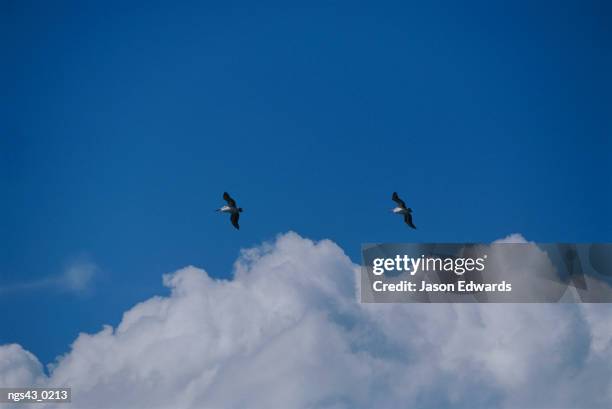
pixel 125 124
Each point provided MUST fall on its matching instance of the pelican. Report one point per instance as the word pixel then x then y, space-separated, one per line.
pixel 402 209
pixel 232 209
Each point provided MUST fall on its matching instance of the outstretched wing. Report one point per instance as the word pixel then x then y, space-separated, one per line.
pixel 234 218
pixel 231 202
pixel 397 200
pixel 408 220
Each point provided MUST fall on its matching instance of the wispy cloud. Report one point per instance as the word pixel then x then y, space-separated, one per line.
pixel 76 277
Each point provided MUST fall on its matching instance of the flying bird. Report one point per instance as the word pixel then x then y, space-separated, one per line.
pixel 232 209
pixel 402 209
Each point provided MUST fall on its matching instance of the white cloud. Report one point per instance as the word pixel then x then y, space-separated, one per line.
pixel 18 367
pixel 288 332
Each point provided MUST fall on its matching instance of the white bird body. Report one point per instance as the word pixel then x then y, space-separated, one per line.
pixel 228 209
pixel 401 210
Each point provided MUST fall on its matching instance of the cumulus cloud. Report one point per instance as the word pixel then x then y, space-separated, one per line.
pixel 18 367
pixel 289 332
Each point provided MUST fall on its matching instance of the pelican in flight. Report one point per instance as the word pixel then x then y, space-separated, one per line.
pixel 232 209
pixel 402 209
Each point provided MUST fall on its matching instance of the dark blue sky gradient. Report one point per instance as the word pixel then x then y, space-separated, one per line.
pixel 124 125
